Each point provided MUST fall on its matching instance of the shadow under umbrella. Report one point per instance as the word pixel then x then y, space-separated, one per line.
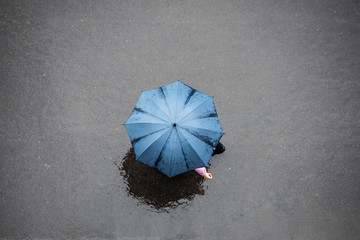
pixel 155 189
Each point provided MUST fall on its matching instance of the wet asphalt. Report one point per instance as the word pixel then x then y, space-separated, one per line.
pixel 285 76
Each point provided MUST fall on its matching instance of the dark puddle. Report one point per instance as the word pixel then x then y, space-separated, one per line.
pixel 155 189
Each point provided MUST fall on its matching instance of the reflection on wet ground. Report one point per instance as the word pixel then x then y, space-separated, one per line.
pixel 155 189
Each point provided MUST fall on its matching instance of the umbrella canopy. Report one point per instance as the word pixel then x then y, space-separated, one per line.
pixel 174 128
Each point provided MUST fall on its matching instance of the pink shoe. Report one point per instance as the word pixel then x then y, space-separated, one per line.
pixel 202 172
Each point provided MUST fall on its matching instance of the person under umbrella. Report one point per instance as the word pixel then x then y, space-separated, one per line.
pixel 220 148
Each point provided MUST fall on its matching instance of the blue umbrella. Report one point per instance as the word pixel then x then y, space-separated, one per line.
pixel 174 128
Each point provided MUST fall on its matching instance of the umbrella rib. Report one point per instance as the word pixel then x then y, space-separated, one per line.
pixel 142 111
pixel 189 97
pixel 176 106
pixel 152 123
pixel 182 149
pixel 139 138
pixel 194 109
pixel 186 128
pixel 192 149
pixel 210 115
pixel 166 101
pixel 202 139
pixel 162 149
pixel 152 144
pixel 187 100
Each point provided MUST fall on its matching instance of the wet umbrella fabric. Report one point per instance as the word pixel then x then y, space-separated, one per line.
pixel 174 128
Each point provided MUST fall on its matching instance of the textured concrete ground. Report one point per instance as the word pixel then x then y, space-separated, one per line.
pixel 285 76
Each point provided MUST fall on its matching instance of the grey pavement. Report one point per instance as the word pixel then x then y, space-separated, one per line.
pixel 285 76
